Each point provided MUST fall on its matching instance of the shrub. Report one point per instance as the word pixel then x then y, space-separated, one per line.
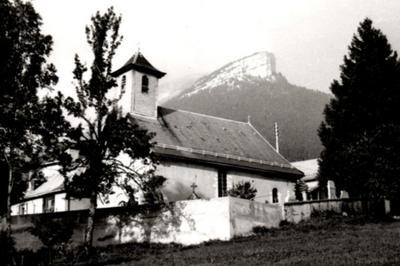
pixel 243 190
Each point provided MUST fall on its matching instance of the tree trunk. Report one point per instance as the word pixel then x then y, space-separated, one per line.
pixel 8 213
pixel 90 223
pixel 6 216
pixel 6 219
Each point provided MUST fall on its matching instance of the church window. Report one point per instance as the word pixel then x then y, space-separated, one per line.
pixel 275 198
pixel 123 82
pixel 22 209
pixel 222 183
pixel 48 204
pixel 145 84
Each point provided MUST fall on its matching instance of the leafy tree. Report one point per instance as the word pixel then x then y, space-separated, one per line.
pixel 29 125
pixel 361 130
pixel 243 190
pixel 106 141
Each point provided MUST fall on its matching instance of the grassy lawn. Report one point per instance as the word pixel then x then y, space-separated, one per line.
pixel 321 241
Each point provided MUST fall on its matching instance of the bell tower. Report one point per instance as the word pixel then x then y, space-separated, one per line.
pixel 139 80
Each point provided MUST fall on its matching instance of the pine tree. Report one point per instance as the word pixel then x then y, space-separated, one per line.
pixel 29 125
pixel 104 137
pixel 361 131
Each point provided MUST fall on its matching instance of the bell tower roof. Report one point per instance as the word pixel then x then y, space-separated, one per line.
pixel 139 63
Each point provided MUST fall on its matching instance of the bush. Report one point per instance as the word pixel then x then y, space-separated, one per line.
pixel 243 190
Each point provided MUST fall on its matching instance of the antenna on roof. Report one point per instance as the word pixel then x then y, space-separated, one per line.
pixel 249 119
pixel 138 47
pixel 276 137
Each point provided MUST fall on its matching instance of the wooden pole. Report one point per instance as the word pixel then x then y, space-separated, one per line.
pixel 276 137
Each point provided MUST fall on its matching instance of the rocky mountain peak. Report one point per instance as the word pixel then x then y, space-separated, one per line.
pixel 260 65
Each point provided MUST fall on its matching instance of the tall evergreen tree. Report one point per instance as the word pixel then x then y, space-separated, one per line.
pixel 104 137
pixel 361 131
pixel 29 125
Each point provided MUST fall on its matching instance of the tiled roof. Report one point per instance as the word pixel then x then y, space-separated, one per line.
pixel 140 63
pixel 214 140
pixel 309 168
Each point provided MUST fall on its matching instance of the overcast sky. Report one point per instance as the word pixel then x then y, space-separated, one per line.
pixel 186 38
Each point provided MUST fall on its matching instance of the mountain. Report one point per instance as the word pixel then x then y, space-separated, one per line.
pixel 171 87
pixel 251 87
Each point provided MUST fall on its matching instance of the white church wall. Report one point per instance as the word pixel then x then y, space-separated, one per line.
pixel 30 207
pixel 60 202
pixel 180 176
pixel 35 206
pixel 144 103
pixel 127 98
pixel 264 185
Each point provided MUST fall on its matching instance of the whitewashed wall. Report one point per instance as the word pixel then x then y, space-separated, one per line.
pixel 31 207
pixel 264 185
pixel 185 222
pixel 194 221
pixel 180 176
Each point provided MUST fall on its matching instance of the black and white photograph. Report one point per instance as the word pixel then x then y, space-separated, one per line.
pixel 200 132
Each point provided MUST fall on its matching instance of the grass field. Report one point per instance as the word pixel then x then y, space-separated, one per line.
pixel 322 241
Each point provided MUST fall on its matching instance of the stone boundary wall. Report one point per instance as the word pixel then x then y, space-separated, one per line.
pixel 185 222
pixel 301 210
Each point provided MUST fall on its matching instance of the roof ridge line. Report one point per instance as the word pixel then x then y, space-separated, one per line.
pixel 270 145
pixel 200 114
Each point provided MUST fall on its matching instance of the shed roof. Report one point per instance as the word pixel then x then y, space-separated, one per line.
pixel 214 140
pixel 309 168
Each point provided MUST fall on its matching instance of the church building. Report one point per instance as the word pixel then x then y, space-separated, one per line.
pixel 211 152
pixel 196 151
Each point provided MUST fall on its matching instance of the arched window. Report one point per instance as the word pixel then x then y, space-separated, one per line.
pixel 123 83
pixel 275 198
pixel 145 84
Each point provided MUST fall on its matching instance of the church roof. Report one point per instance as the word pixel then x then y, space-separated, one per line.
pixel 214 140
pixel 140 63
